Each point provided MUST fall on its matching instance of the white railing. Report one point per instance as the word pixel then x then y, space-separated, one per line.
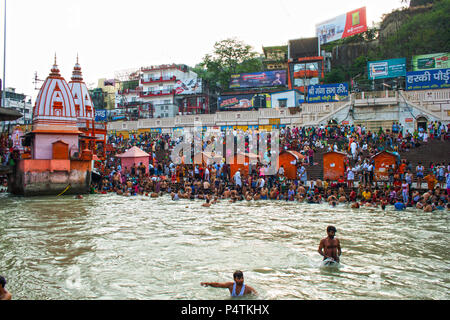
pixel 310 114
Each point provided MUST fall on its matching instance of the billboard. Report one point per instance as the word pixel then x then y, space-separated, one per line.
pixel 383 69
pixel 429 79
pixel 343 26
pixel 327 92
pixel 189 86
pixel 259 79
pixel 431 61
pixel 244 101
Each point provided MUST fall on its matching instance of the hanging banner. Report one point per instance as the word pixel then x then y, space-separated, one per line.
pixel 259 79
pixel 430 79
pixel 343 26
pixel 383 69
pixel 431 61
pixel 327 92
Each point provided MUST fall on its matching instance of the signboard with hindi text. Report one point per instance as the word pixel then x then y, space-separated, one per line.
pixel 429 79
pixel 343 26
pixel 327 92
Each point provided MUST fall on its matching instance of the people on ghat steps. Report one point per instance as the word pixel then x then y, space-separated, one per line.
pixel 215 179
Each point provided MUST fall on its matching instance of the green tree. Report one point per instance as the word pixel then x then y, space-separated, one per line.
pixel 228 57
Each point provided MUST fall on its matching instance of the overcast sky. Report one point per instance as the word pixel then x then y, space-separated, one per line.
pixel 112 35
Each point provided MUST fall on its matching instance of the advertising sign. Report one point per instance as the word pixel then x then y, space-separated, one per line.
pixel 430 79
pixel 391 68
pixel 189 86
pixel 431 61
pixel 100 115
pixel 327 92
pixel 259 79
pixel 244 101
pixel 343 26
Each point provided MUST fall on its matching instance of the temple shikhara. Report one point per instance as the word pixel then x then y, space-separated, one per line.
pixel 62 147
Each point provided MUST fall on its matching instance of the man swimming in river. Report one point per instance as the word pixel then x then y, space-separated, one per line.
pixel 330 247
pixel 237 288
pixel 4 294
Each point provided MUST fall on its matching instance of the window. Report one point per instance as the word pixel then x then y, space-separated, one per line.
pixel 282 103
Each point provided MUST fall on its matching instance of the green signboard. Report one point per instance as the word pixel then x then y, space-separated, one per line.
pixel 431 61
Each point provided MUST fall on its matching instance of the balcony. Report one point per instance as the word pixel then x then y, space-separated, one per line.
pixel 373 98
pixel 128 91
pixel 158 80
pixel 131 104
pixel 156 93
pixel 306 74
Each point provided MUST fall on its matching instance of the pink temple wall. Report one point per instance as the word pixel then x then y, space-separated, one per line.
pixel 128 163
pixel 43 148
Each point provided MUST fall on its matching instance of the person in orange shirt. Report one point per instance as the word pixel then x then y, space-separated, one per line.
pixel 431 180
pixel 401 170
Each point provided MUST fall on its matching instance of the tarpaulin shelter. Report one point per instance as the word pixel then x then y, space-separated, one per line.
pixel 382 162
pixel 289 160
pixel 242 161
pixel 333 165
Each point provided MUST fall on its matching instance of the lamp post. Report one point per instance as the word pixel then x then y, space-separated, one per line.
pixel 4 59
pixel 24 107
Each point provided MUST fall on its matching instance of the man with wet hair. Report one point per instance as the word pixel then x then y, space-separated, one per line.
pixel 4 294
pixel 330 247
pixel 237 288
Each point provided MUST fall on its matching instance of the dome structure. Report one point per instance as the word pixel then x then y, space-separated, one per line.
pixel 84 108
pixel 54 110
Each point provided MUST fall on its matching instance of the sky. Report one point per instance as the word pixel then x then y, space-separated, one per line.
pixel 112 35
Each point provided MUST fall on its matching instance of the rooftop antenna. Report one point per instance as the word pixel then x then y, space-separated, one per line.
pixel 36 81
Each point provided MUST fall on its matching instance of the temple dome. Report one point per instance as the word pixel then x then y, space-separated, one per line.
pixel 84 107
pixel 54 109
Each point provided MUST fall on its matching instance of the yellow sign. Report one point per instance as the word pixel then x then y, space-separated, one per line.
pixel 274 121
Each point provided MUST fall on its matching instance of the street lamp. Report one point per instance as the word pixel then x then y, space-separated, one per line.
pixel 4 60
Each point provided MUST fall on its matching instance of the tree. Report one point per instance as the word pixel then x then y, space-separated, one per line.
pixel 229 56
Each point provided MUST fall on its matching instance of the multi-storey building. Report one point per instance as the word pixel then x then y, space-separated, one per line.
pixel 19 102
pixel 159 84
pixel 163 91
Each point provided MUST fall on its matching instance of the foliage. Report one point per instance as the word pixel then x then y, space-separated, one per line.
pixel 229 56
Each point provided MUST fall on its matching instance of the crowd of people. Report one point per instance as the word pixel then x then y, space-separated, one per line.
pixel 214 182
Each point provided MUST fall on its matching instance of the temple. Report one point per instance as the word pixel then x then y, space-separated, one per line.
pixel 59 157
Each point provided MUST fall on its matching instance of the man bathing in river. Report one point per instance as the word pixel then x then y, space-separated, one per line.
pixel 237 288
pixel 4 294
pixel 330 246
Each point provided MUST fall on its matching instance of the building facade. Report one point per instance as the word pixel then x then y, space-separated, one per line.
pixel 19 102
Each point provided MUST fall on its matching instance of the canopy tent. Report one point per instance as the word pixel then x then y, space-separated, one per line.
pixel 134 156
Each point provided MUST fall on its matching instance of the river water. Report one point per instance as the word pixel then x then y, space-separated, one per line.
pixel 114 247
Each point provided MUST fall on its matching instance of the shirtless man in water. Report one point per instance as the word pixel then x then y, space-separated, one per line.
pixel 4 294
pixel 237 288
pixel 330 246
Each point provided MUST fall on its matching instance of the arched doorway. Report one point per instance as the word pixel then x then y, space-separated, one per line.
pixel 422 122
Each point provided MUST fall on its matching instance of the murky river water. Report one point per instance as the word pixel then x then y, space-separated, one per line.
pixel 112 247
